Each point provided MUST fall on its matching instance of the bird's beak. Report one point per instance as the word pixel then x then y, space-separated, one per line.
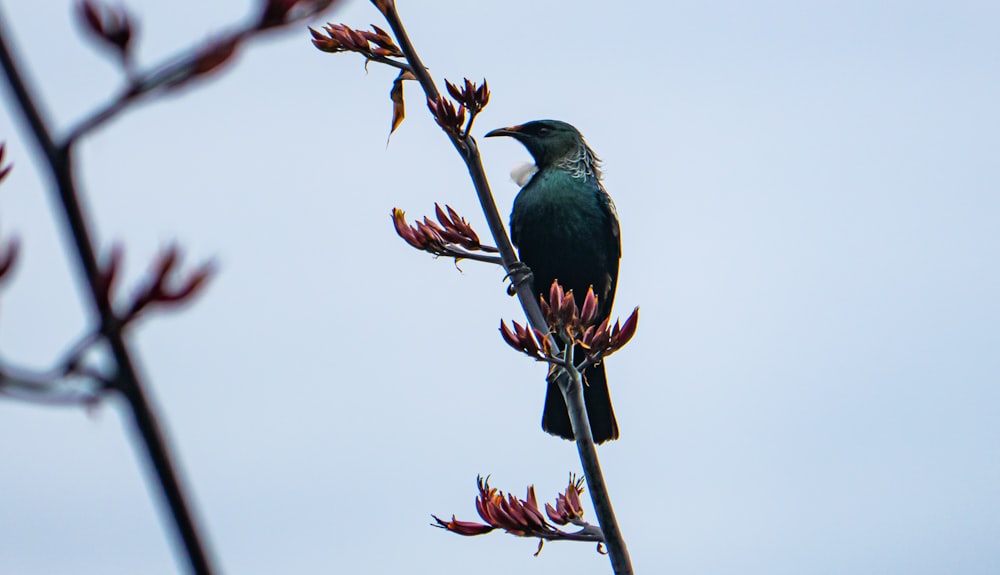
pixel 512 131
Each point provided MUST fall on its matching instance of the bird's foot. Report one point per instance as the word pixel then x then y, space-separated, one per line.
pixel 518 274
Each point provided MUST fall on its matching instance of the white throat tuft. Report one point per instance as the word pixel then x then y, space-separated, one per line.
pixel 522 173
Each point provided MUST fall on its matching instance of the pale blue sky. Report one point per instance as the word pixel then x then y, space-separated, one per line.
pixel 809 203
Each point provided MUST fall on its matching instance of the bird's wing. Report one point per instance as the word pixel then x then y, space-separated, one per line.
pixel 614 257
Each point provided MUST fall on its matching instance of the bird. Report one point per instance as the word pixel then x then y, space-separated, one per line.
pixel 565 227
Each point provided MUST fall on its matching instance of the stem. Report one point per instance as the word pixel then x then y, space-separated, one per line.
pixel 572 387
pixel 580 536
pixel 571 384
pixel 390 62
pixel 127 381
pixel 460 254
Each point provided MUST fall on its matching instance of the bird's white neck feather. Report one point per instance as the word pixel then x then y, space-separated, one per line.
pixel 522 173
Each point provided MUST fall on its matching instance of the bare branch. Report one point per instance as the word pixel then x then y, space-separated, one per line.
pixel 77 389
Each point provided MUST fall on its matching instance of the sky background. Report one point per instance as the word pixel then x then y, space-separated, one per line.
pixel 809 203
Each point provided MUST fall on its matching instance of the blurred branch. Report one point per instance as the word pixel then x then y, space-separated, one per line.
pixel 112 28
pixel 54 387
pixel 126 380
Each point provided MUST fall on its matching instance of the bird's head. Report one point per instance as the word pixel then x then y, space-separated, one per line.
pixel 548 141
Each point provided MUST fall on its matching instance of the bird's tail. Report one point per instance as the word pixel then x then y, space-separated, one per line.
pixel 555 418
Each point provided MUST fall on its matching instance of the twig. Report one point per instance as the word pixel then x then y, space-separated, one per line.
pixel 390 62
pixel 99 117
pixel 50 388
pixel 599 495
pixel 460 254
pixel 571 387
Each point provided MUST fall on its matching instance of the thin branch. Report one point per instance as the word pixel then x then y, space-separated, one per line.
pixel 571 387
pixel 51 387
pixel 613 538
pixel 582 535
pixel 460 254
pixel 100 116
pixel 389 62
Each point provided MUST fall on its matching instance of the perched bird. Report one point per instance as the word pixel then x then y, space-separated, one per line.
pixel 565 227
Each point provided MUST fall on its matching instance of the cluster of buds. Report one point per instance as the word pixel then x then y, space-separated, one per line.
pixel 336 38
pixel 568 508
pixel 450 236
pixel 451 118
pixel 110 25
pixel 470 99
pixel 574 324
pixel 162 287
pixel 377 45
pixel 523 518
pixel 473 97
pixel 565 319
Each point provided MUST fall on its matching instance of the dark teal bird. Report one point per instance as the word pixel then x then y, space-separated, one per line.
pixel 565 228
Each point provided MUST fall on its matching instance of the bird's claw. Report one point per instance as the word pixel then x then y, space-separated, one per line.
pixel 518 274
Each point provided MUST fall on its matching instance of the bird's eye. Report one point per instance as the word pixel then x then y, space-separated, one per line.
pixel 543 131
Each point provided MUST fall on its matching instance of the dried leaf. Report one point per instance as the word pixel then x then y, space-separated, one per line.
pixel 398 108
